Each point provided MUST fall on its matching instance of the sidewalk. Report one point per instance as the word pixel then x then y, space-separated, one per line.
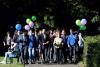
pixel 52 65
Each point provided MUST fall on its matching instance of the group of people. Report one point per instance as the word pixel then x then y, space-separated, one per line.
pixel 44 46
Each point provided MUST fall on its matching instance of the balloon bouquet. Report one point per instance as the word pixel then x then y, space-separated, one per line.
pixel 29 22
pixel 81 23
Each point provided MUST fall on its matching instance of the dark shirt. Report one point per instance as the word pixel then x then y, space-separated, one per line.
pixel 44 39
pixel 32 41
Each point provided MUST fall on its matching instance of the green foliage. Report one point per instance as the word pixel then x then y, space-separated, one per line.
pixel 77 9
pixel 96 18
pixel 91 52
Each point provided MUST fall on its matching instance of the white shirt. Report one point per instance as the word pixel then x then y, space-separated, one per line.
pixel 58 41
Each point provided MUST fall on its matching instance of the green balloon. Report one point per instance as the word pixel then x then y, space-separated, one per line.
pixel 33 18
pixel 78 22
pixel 28 20
pixel 82 27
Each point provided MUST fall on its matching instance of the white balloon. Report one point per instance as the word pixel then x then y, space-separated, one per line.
pixel 83 21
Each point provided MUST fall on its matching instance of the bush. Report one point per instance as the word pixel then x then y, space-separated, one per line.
pixel 91 52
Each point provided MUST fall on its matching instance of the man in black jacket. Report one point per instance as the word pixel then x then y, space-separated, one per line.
pixel 45 45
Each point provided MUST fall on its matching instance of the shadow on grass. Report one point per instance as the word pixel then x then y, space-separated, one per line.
pixel 93 55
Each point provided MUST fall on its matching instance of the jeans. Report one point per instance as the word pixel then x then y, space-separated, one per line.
pixel 25 54
pixel 46 53
pixel 54 55
pixel 72 52
pixel 51 53
pixel 20 53
pixel 31 52
pixel 7 56
pixel 58 55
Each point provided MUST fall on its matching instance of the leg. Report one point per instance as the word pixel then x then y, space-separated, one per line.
pixel 74 53
pixel 26 54
pixel 30 53
pixel 50 54
pixel 5 58
pixel 70 53
pixel 55 54
pixel 45 52
pixel 33 55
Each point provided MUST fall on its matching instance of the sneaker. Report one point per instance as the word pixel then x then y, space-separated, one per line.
pixel 50 61
pixel 3 62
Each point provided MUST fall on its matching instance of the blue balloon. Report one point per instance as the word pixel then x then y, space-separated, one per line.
pixel 18 27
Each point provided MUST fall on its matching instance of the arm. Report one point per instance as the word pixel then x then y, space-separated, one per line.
pixel 12 47
pixel 68 42
pixel 4 41
pixel 54 41
pixel 82 39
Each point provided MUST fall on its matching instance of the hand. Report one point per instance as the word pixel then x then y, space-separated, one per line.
pixel 47 42
pixel 68 45
pixel 62 43
pixel 44 43
pixel 11 47
pixel 4 43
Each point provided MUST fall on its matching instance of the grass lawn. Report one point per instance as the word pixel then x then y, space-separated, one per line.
pixel 10 65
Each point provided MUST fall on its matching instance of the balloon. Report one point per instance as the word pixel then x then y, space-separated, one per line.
pixel 31 24
pixel 18 27
pixel 83 21
pixel 78 22
pixel 27 27
pixel 33 18
pixel 82 27
pixel 28 20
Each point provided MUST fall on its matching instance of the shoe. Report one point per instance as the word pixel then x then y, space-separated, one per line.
pixel 26 63
pixel 50 62
pixel 3 62
pixel 69 61
pixel 33 62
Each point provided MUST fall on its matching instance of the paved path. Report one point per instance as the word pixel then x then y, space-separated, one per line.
pixel 52 65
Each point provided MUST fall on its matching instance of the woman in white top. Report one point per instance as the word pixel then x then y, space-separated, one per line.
pixel 58 43
pixel 81 44
pixel 7 41
pixel 81 40
pixel 10 53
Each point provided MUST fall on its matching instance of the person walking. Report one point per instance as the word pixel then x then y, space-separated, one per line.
pixel 31 47
pixel 58 43
pixel 80 44
pixel 24 47
pixel 71 42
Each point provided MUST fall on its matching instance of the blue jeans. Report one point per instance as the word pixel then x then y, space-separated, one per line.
pixel 31 52
pixel 7 55
pixel 46 54
pixel 72 52
pixel 20 53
